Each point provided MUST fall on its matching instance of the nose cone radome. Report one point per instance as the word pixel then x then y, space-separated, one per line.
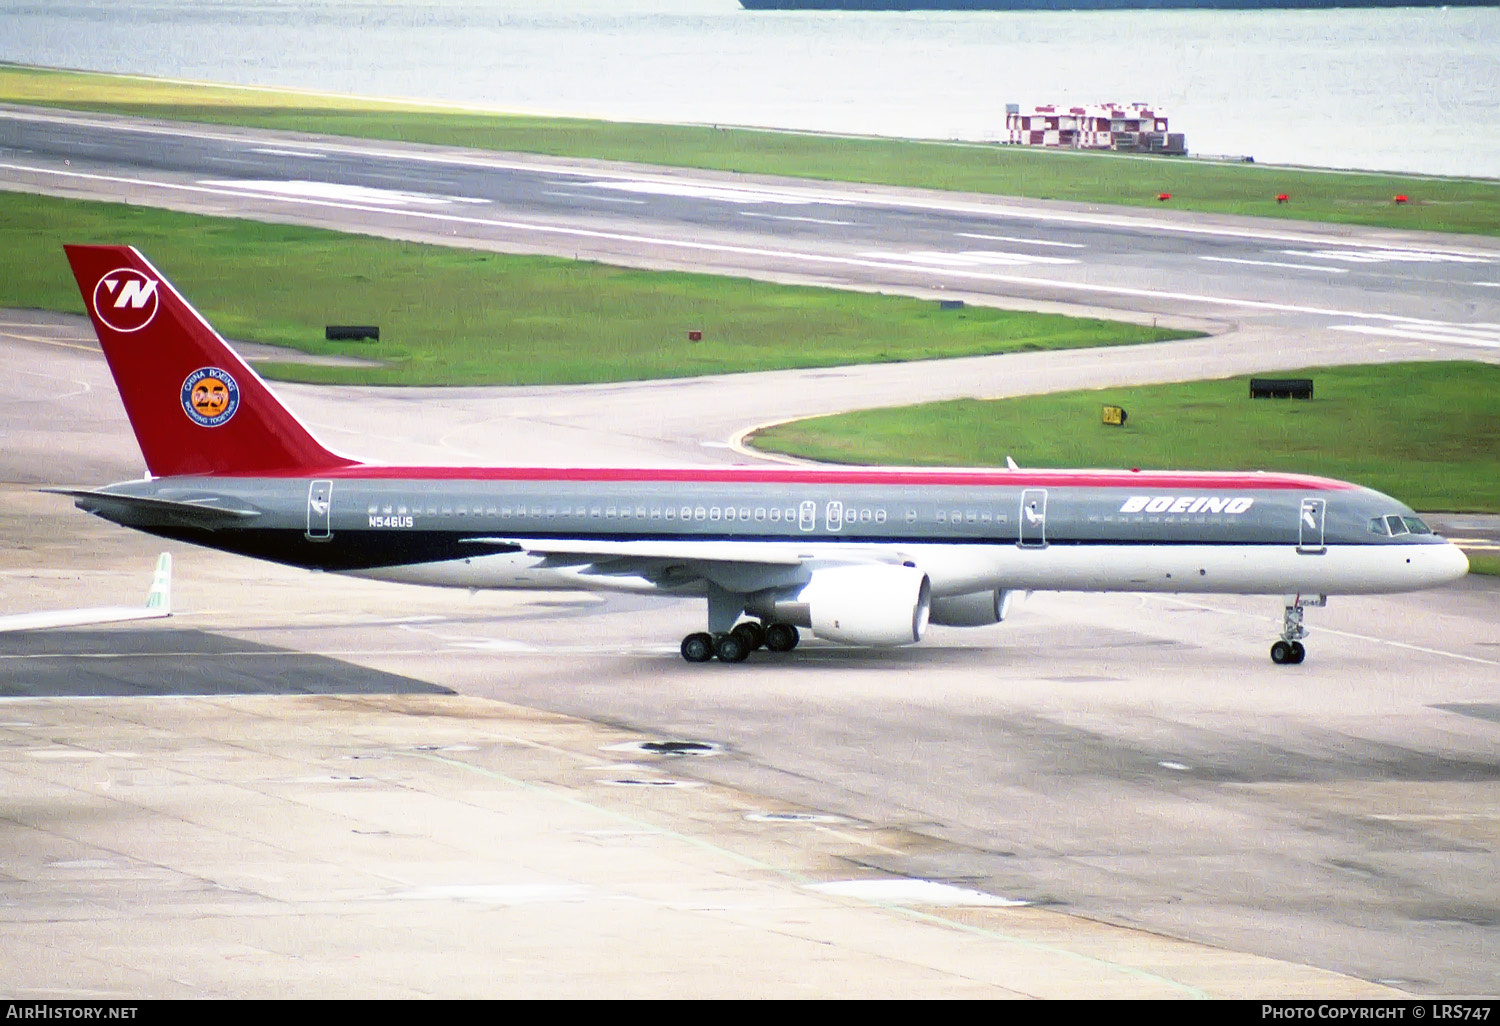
pixel 1448 564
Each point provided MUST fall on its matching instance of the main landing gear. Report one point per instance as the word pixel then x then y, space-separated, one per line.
pixel 735 645
pixel 1290 650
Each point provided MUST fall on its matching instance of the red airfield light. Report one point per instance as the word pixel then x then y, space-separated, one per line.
pixel 1282 197
pixel 1399 198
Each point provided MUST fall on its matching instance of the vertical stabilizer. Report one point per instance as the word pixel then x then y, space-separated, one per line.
pixel 196 407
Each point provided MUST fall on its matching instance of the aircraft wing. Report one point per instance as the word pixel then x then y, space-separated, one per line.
pixel 158 604
pixel 737 566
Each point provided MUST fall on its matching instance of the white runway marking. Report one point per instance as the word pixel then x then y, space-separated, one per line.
pixel 804 220
pixel 299 189
pixel 594 199
pixel 969 258
pixel 274 152
pixel 1484 336
pixel 1276 263
pixel 1387 256
pixel 1017 238
pixel 719 193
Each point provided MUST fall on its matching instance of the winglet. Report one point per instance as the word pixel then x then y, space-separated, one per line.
pixel 159 598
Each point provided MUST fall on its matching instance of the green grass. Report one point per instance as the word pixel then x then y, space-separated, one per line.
pixel 1437 204
pixel 1426 433
pixel 458 317
pixel 1483 564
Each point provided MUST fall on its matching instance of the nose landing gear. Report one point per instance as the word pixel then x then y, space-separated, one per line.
pixel 1290 650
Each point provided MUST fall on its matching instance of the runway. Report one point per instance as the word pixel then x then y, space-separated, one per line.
pixel 378 790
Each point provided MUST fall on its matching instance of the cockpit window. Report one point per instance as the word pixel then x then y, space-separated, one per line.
pixel 1395 525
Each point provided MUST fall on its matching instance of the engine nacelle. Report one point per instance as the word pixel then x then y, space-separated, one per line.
pixel 978 609
pixel 857 605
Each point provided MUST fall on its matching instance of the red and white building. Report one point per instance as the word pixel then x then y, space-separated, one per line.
pixel 1105 126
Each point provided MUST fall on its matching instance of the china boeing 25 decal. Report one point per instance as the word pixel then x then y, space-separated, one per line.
pixel 865 557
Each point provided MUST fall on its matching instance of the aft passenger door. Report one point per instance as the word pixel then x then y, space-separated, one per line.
pixel 1033 522
pixel 1310 527
pixel 319 510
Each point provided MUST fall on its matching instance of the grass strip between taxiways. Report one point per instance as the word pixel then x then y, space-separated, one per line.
pixel 1426 433
pixel 1361 198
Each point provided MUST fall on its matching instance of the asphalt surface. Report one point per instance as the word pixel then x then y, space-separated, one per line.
pixel 1131 765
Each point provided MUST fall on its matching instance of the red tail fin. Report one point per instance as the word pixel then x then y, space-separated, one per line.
pixel 196 407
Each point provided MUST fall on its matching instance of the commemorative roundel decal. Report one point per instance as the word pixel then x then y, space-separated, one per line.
pixel 210 396
pixel 126 299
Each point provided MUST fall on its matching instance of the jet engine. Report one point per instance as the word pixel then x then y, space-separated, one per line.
pixel 857 605
pixel 977 609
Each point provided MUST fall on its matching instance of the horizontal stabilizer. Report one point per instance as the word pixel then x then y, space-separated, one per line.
pixel 158 605
pixel 209 511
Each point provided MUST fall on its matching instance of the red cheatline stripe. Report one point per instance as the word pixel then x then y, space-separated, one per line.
pixel 1123 479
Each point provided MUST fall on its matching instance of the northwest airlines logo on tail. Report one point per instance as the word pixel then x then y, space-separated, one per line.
pixel 125 299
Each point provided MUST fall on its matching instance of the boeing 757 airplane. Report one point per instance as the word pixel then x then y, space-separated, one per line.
pixel 859 556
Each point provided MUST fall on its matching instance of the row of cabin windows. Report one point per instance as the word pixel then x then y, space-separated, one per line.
pixel 759 514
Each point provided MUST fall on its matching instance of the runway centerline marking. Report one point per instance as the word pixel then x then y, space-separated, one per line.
pixel 1375 255
pixel 594 199
pixel 1276 263
pixel 804 220
pixel 275 152
pixel 1023 241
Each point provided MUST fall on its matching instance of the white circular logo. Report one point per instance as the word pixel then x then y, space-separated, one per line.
pixel 125 299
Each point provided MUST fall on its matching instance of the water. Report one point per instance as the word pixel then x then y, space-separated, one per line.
pixel 1408 89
